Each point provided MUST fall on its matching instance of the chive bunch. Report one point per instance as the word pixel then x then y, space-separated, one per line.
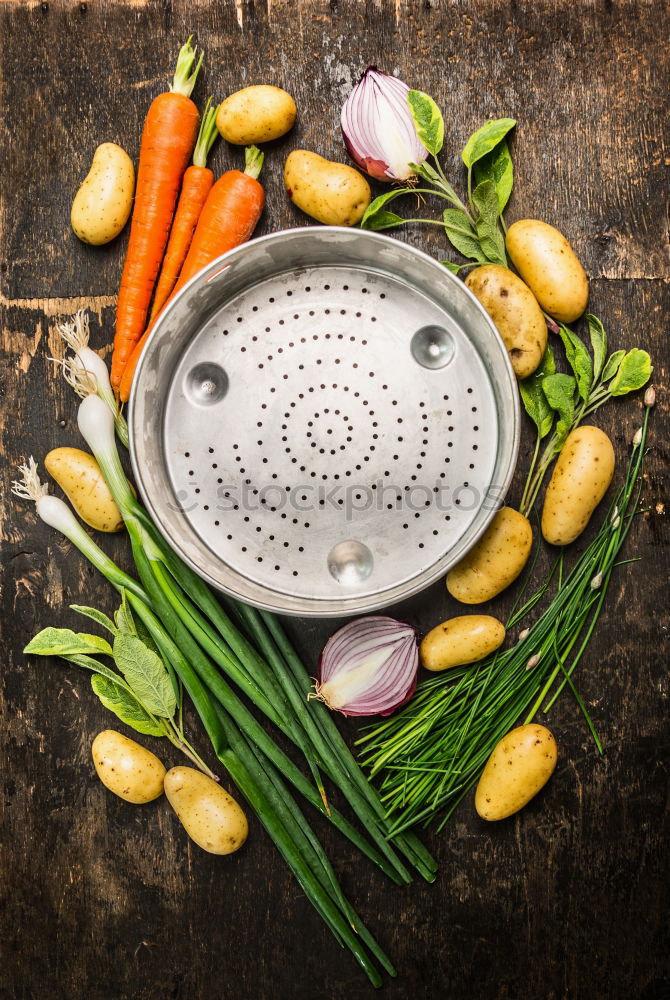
pixel 431 752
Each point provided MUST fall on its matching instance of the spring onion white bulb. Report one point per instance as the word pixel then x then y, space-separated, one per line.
pixel 86 372
pixel 58 515
pixel 378 128
pixel 96 424
pixel 369 667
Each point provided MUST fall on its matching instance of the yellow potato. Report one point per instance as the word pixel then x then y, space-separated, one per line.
pixel 256 114
pixel 521 764
pixel 465 639
pixel 79 476
pixel 514 310
pixel 581 477
pixel 129 770
pixel 210 816
pixel 495 561
pixel 102 204
pixel 549 266
pixel 331 192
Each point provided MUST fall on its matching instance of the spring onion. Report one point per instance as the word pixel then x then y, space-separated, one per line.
pixel 85 370
pixel 256 774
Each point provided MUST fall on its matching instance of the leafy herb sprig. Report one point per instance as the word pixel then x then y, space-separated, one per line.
pixel 143 693
pixel 475 230
pixel 557 403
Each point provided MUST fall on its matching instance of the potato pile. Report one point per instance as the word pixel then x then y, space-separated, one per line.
pixel 211 817
pixel 551 279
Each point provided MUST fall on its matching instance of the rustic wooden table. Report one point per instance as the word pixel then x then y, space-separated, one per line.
pixel 101 900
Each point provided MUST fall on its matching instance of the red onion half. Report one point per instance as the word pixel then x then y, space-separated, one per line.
pixel 369 667
pixel 378 129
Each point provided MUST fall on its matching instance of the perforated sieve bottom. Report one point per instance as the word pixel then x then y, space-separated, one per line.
pixel 331 432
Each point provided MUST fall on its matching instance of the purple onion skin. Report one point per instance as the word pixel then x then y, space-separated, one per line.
pixel 376 169
pixel 389 711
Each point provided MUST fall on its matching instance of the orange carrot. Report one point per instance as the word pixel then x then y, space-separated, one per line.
pixel 197 184
pixel 229 217
pixel 168 137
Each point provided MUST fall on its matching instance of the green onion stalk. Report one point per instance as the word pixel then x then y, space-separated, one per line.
pixel 276 682
pixel 428 755
pixel 253 761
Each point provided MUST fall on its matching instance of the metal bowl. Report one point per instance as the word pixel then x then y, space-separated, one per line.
pixel 323 422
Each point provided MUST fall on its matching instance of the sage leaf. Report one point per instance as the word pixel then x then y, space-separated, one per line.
pixel 490 237
pixel 378 204
pixel 125 623
pixel 65 642
pixel 612 365
pixel 462 235
pixel 126 707
pixel 90 663
pixel 485 139
pixel 634 372
pixel 146 675
pixel 598 339
pixel 454 268
pixel 559 390
pixel 427 119
pixel 428 173
pixel 579 360
pixel 382 220
pixel 497 167
pixel 98 616
pixel 533 396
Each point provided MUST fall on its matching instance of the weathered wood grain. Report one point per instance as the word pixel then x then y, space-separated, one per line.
pixel 102 900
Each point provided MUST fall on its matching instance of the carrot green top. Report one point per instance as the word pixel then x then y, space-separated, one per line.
pixel 253 161
pixel 185 74
pixel 206 135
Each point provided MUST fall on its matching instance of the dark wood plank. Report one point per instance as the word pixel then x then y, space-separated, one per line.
pixel 102 900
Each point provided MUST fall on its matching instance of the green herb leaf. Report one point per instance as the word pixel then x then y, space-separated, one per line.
pixel 497 166
pixel 598 339
pixel 65 642
pixel 375 208
pixel 462 235
pixel 90 663
pixel 560 392
pixel 126 706
pixel 98 616
pixel 485 139
pixel 579 360
pixel 612 366
pixel 125 623
pixel 427 119
pixel 634 372
pixel 427 173
pixel 534 398
pixel 490 237
pixel 146 675
pixel 455 268
pixel 383 220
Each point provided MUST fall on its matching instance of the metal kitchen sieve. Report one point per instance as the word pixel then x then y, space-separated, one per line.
pixel 323 422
